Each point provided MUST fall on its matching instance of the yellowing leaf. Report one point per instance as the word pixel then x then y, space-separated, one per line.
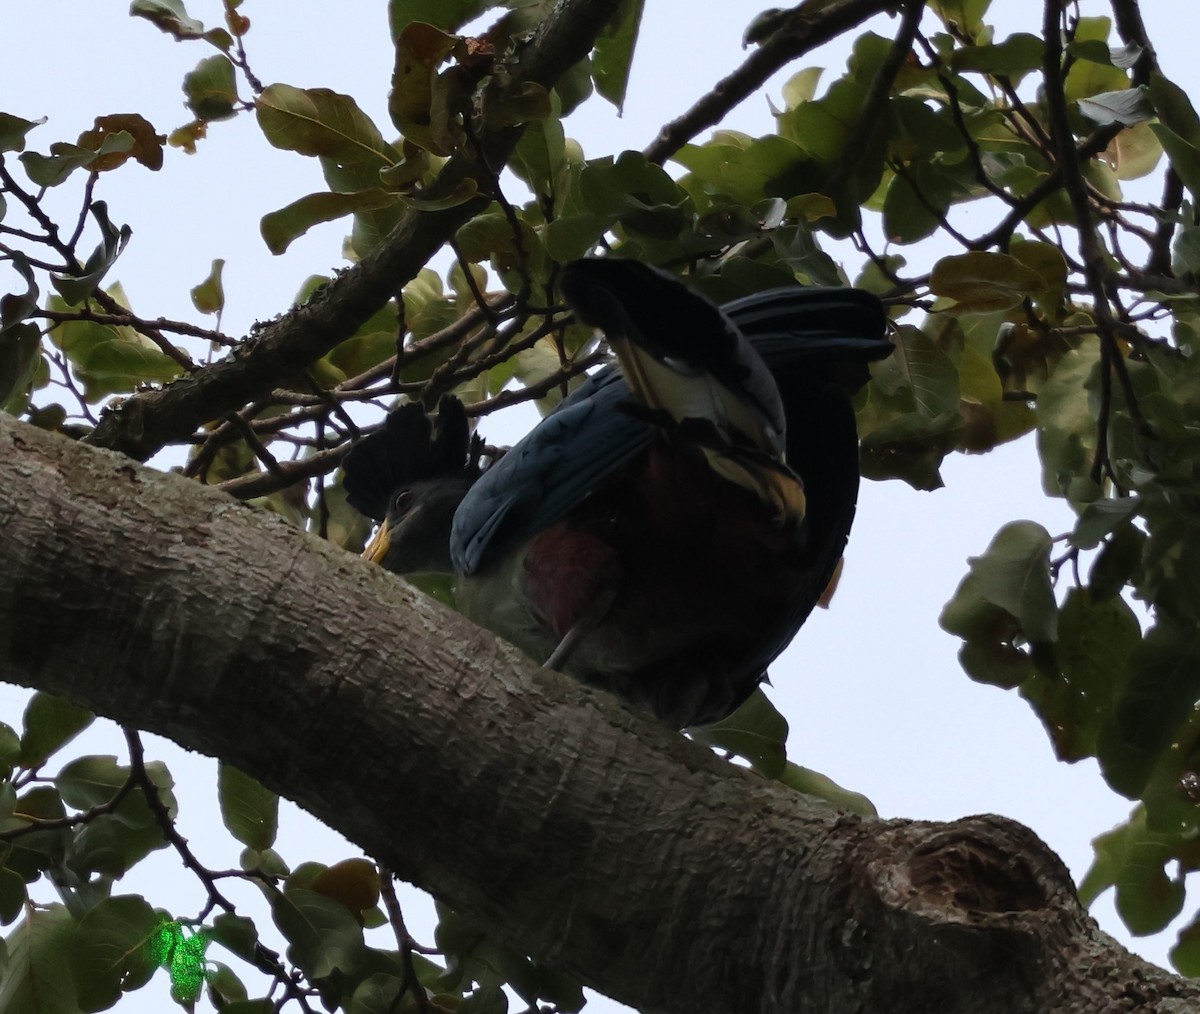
pixel 981 282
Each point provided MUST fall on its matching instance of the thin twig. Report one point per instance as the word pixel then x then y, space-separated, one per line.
pixel 410 983
pixel 800 31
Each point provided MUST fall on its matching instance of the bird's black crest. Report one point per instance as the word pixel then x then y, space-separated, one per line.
pixel 408 448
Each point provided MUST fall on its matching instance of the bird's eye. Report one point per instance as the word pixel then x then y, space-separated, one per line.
pixel 402 501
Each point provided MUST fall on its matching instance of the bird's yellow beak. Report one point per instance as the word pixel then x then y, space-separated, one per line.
pixel 379 545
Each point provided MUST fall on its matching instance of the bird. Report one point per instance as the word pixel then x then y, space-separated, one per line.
pixel 666 530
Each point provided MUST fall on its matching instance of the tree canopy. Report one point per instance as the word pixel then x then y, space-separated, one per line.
pixel 977 183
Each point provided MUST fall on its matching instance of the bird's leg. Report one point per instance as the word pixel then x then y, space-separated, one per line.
pixel 595 611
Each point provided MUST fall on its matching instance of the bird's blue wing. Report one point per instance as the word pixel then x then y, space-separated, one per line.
pixel 567 456
pixel 590 436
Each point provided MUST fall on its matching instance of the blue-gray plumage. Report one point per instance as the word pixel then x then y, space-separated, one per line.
pixel 652 535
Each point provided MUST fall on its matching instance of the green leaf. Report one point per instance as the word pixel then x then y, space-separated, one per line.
pixel 1147 899
pixel 111 846
pixel 250 811
pixel 982 282
pixel 266 861
pixel 110 952
pixel 813 783
pixel 1118 564
pixel 118 365
pixel 1128 107
pixel 10 747
pixel 20 357
pixel 1093 71
pixel 1185 955
pixel 113 843
pixel 34 853
pixel 377 994
pixel 540 158
pixel 38 977
pixel 50 724
pixel 801 86
pixel 1016 55
pixel 224 983
pixel 909 446
pixel 490 1000
pixel 280 228
pixel 449 15
pixel 317 121
pixel 922 371
pixel 1184 156
pixel 1095 641
pixel 1175 110
pixel 51 170
pixel 209 295
pixel 1014 574
pixel 745 172
pixel 613 53
pixel 91 781
pixel 916 202
pixel 323 936
pixel 210 89
pixel 755 731
pixel 1157 699
pixel 12 898
pixel 1047 262
pixel 15 308
pixel 236 934
pixel 171 17
pixel 1100 518
pixel 75 288
pixel 963 17
pixel 13 130
pixel 474 955
pixel 1066 421
pixel 441 200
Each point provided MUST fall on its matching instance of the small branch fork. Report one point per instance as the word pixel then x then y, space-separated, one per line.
pixel 266 960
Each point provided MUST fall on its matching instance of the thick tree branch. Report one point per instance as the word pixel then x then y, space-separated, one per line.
pixel 799 31
pixel 145 423
pixel 579 831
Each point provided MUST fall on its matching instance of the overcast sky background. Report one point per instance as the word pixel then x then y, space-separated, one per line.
pixel 872 688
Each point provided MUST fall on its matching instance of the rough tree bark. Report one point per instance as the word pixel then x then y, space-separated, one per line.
pixel 572 827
